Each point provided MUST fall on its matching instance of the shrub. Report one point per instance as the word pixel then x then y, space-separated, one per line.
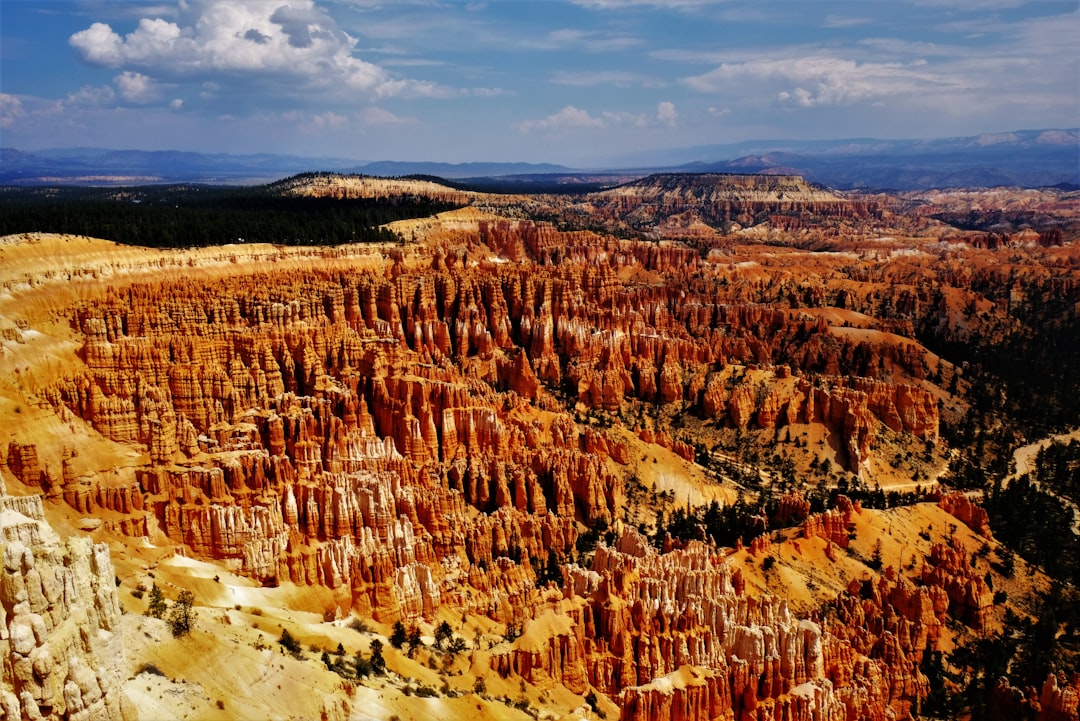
pixel 443 634
pixel 289 642
pixel 182 615
pixel 362 665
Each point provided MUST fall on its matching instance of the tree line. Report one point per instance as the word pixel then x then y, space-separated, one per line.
pixel 193 216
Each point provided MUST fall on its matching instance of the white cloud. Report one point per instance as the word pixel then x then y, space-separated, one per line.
pixel 572 117
pixel 379 116
pixel 177 104
pixel 11 110
pixel 666 114
pixel 247 37
pixel 89 96
pixel 617 78
pixel 844 21
pixel 322 122
pixel 136 87
pixel 823 80
pixel 589 40
pixel 568 117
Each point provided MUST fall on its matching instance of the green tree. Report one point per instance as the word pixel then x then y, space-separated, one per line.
pixel 182 614
pixel 414 640
pixel 443 634
pixel 363 665
pixel 378 663
pixel 156 607
pixel 398 636
pixel 291 644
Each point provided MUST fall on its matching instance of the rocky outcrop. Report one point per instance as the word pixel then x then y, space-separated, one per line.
pixel 958 504
pixel 851 408
pixel 948 567
pixel 1057 700
pixel 663 439
pixel 676 203
pixel 57 598
pixel 22 459
pixel 675 636
pixel 833 524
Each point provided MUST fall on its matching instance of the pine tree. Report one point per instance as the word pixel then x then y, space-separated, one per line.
pixel 414 640
pixel 378 663
pixel 182 615
pixel 443 634
pixel 398 636
pixel 291 644
pixel 156 607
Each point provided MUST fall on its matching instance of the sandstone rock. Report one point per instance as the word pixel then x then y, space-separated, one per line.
pixel 56 597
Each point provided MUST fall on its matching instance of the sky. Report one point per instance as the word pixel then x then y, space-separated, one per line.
pixel 574 82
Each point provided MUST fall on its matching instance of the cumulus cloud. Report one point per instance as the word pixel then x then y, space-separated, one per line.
pixel 324 121
pixel 572 117
pixel 11 110
pixel 89 96
pixel 823 80
pixel 247 37
pixel 136 87
pixel 568 117
pixel 666 114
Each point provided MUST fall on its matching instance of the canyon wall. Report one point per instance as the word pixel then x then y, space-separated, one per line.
pixel 58 604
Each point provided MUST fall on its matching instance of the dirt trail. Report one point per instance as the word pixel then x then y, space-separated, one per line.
pixel 1024 462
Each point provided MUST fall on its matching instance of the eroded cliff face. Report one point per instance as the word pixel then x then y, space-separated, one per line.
pixel 677 635
pixel 373 432
pixel 708 204
pixel 58 605
pixel 426 428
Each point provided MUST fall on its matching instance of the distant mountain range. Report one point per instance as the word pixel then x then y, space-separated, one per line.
pixel 1029 158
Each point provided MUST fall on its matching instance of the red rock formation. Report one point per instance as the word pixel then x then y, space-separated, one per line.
pixel 970 598
pixel 400 435
pixel 792 508
pixel 973 516
pixel 832 524
pixel 1059 699
pixel 673 636
pixel 664 440
pixel 22 459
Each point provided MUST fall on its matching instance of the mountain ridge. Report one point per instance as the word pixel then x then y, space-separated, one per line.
pixel 1026 158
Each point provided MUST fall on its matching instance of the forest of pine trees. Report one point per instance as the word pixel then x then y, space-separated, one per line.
pixel 193 216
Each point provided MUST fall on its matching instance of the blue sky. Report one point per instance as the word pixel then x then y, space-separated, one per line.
pixel 569 82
